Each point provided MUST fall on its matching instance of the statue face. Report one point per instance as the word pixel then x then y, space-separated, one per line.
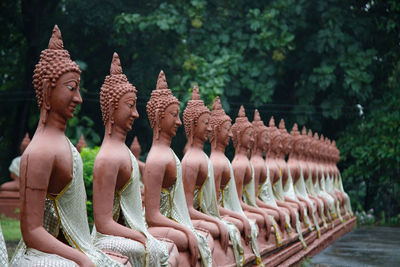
pixel 126 112
pixel 223 134
pixel 263 140
pixel 247 138
pixel 202 129
pixel 171 121
pixel 66 95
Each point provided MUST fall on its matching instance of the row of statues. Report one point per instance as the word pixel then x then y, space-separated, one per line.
pixel 203 211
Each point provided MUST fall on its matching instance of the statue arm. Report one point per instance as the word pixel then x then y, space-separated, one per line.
pixel 105 173
pixel 36 169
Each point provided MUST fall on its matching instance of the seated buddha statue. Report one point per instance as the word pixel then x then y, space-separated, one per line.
pixel 262 183
pixel 335 157
pixel 297 171
pixel 328 175
pixel 120 225
pixel 242 131
pixel 321 174
pixel 287 179
pixel 272 157
pixel 199 185
pixel 164 195
pixel 307 168
pixel 228 201
pixel 81 144
pixel 14 168
pixel 54 225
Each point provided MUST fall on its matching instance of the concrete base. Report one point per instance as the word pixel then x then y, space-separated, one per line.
pixel 9 204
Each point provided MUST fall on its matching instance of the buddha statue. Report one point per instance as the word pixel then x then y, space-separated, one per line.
pixel 14 168
pixel 276 175
pixel 287 178
pixel 308 173
pixel 120 225
pixel 298 170
pixel 328 178
pixel 54 225
pixel 199 185
pixel 262 183
pixel 136 150
pixel 81 144
pixel 229 205
pixel 164 195
pixel 335 157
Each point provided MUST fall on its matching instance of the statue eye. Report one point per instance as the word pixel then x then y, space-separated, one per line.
pixel 71 88
pixel 130 105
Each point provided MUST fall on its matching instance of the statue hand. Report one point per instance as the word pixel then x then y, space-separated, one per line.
pixel 247 231
pixel 282 220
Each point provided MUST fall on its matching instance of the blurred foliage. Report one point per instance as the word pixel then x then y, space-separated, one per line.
pixel 316 63
pixel 88 156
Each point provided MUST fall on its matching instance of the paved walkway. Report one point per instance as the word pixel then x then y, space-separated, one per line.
pixel 366 246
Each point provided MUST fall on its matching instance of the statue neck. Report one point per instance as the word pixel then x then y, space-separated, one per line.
pixel 163 139
pixel 117 134
pixel 218 148
pixel 197 143
pixel 53 122
pixel 257 152
pixel 241 151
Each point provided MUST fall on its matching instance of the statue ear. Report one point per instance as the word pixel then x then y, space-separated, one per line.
pixel 190 137
pixel 111 118
pixel 157 126
pixel 46 89
pixel 214 141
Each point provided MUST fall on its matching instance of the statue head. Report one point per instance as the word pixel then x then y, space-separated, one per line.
pixel 220 125
pixel 161 104
pixel 242 131
pixel 286 138
pixel 135 147
pixel 296 139
pixel 56 70
pixel 81 143
pixel 196 118
pixel 118 99
pixel 261 139
pixel 276 137
pixel 24 143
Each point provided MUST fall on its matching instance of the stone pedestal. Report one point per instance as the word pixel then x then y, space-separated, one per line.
pixel 9 204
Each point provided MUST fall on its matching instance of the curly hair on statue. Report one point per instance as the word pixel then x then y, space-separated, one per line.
pixel 194 109
pixel 160 99
pixel 240 126
pixel 218 117
pixel 54 62
pixel 114 87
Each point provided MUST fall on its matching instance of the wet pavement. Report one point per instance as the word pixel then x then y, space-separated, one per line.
pixel 365 246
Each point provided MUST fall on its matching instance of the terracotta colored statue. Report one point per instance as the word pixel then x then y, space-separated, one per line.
pixel 14 168
pixel 298 169
pixel 273 159
pixel 262 183
pixel 137 151
pixel 165 201
pixel 198 181
pixel 117 204
pixel 306 162
pixel 225 186
pixel 81 144
pixel 53 197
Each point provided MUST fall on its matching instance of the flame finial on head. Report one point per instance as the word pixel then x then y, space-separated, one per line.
pixel 295 128
pixel 195 93
pixel 272 122
pixel 256 116
pixel 56 42
pixel 161 81
pixel 217 104
pixel 115 65
pixel 309 134
pixel 304 130
pixel 282 124
pixel 241 113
